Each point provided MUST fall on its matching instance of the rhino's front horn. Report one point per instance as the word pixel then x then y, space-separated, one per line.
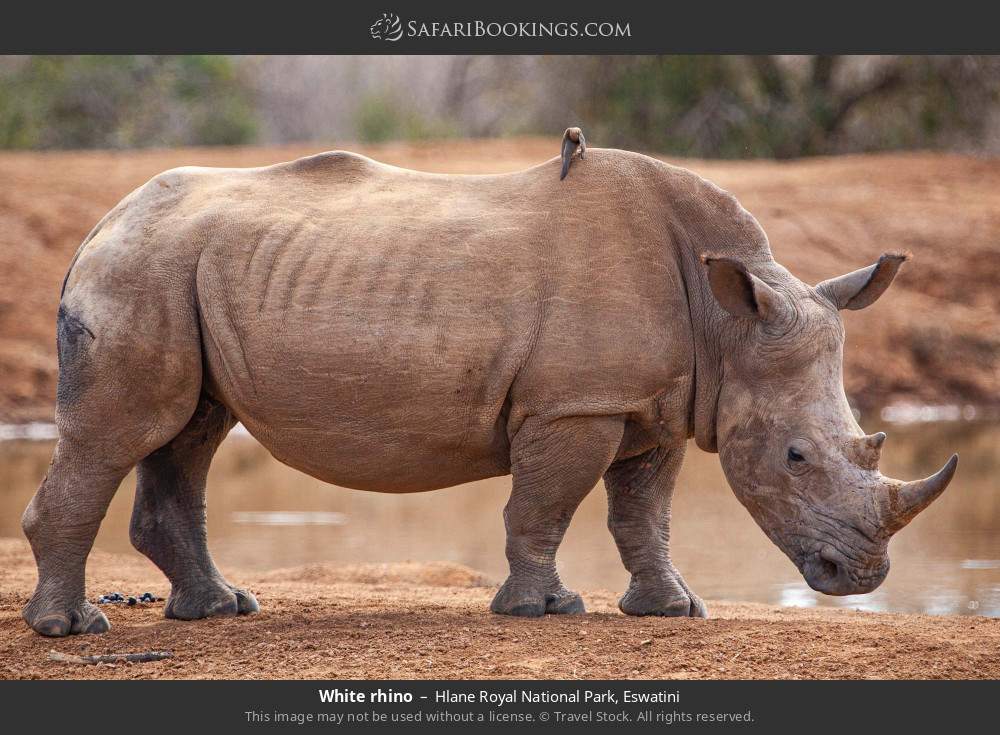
pixel 901 501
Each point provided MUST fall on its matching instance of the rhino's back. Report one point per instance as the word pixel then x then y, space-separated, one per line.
pixel 368 323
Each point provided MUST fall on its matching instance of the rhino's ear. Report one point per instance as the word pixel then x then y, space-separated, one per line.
pixel 862 287
pixel 739 291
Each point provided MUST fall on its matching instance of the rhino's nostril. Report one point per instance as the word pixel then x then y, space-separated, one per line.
pixel 829 569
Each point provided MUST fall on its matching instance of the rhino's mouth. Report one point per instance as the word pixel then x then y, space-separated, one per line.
pixel 828 571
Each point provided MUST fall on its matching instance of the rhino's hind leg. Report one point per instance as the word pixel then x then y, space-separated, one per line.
pixel 120 396
pixel 61 523
pixel 169 520
pixel 554 464
pixel 639 494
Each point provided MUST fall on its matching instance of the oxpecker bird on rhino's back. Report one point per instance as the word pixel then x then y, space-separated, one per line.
pixel 396 331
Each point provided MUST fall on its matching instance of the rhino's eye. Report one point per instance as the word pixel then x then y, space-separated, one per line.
pixel 794 456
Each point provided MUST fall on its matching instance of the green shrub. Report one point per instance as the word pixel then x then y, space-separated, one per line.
pixel 379 119
pixel 123 102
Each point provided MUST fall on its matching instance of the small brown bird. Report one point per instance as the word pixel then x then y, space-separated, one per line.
pixel 572 139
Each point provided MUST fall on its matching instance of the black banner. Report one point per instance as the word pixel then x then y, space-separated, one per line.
pixel 524 706
pixel 447 26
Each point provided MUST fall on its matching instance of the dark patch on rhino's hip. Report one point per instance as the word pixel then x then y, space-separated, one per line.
pixel 73 341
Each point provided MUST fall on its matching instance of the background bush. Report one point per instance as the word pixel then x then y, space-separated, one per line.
pixel 123 102
pixel 709 106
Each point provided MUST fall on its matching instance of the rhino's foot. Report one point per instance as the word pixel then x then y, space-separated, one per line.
pixel 667 599
pixel 208 600
pixel 528 601
pixel 60 620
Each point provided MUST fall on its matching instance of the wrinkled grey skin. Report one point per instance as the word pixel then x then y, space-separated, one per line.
pixel 396 331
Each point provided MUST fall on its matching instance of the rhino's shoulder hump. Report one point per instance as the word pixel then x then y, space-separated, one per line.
pixel 633 170
pixel 615 162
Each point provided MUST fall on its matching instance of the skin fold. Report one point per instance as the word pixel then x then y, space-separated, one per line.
pixel 396 331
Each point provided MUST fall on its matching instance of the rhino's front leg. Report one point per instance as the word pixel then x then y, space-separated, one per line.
pixel 554 465
pixel 639 494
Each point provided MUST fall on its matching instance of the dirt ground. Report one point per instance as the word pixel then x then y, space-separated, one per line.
pixel 934 339
pixel 406 621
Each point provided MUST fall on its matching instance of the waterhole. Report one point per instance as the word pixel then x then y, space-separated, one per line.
pixel 264 515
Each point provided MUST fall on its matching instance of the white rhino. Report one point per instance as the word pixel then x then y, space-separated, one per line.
pixel 397 331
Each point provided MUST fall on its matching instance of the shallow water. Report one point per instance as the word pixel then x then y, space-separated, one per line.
pixel 263 515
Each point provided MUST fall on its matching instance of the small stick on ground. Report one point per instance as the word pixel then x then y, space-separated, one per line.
pixel 110 658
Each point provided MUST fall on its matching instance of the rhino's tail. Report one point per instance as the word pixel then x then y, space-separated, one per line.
pixel 572 139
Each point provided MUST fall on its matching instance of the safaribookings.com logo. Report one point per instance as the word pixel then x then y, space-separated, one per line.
pixel 387 28
pixel 390 28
